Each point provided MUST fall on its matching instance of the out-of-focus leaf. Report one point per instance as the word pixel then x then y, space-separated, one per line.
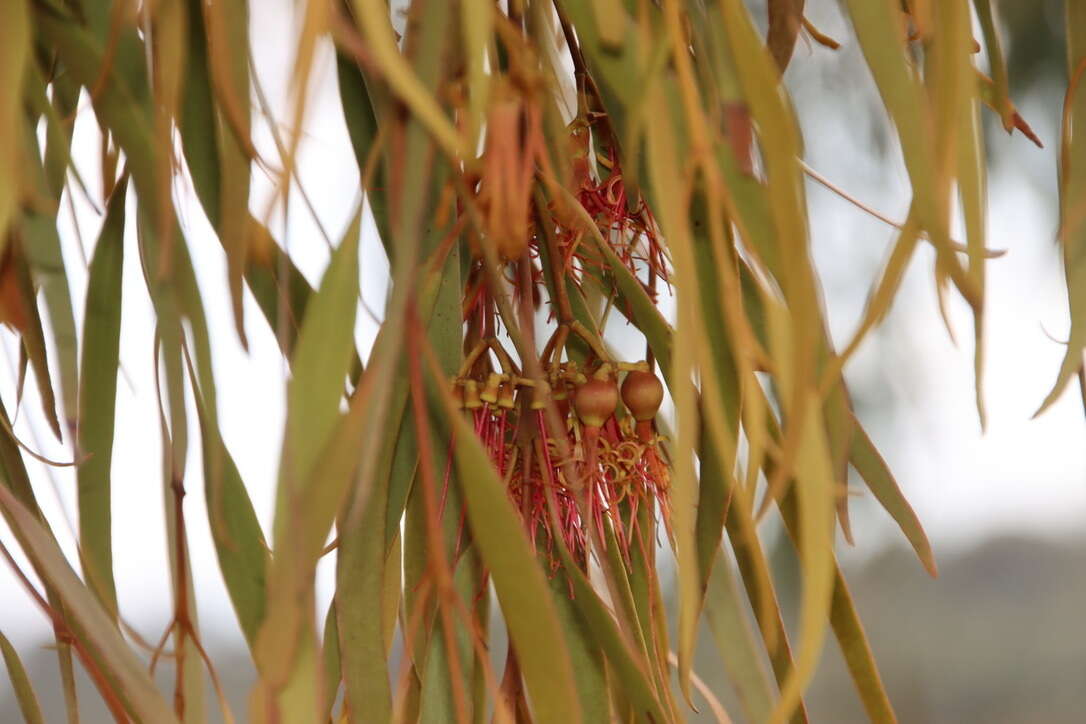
pixel 229 53
pixel 843 618
pixel 885 290
pixel 477 21
pixel 13 474
pixel 15 44
pixel 41 243
pixel 98 400
pixel 198 122
pixel 987 93
pixel 849 632
pixel 203 134
pixel 121 103
pixel 973 191
pixel 58 132
pixel 585 653
pixel 1072 191
pixel 628 665
pixel 645 314
pixel 996 62
pixel 735 642
pixel 305 511
pixel 948 74
pixel 754 571
pixel 785 20
pixel 873 469
pixel 13 469
pixel 373 17
pixel 235 530
pixel 359 114
pixel 320 363
pixel 330 650
pixel 671 205
pixel 814 494
pixel 362 566
pixel 80 604
pixel 647 596
pixel 42 246
pixel 393 593
pixel 20 684
pixel 790 262
pixel 857 652
pixel 717 481
pixel 611 22
pixel 34 341
pixel 882 39
pixel 274 278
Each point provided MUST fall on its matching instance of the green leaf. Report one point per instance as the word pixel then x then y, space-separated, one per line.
pixel 235 530
pixel 333 674
pixel 96 627
pixel 121 104
pixel 586 654
pixel 849 632
pixel 369 523
pixel 643 312
pixel 361 569
pixel 279 288
pixel 98 400
pixel 313 479
pixel 627 660
pixel 269 272
pixel 876 473
pixel 882 38
pixel 42 245
pixel 403 81
pixel 34 341
pixel 814 492
pixel 229 53
pixel 754 572
pixel 535 628
pixel 20 684
pixel 996 62
pixel 319 367
pixel 197 120
pixel 361 122
pixel 14 476
pixel 1072 190
pixel 726 614
pixel 15 44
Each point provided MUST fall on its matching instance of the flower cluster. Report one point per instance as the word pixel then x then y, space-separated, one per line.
pixel 575 440
pixel 580 455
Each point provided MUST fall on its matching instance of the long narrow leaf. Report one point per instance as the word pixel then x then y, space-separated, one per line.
pixel 98 400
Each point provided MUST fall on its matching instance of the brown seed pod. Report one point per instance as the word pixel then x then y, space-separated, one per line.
pixel 595 401
pixel 642 393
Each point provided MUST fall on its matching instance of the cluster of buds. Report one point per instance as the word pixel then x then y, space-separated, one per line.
pixel 575 440
pixel 579 454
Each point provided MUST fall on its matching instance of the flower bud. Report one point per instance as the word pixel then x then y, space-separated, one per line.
pixel 642 393
pixel 595 401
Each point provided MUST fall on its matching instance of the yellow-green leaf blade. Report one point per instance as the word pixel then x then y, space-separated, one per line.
pixel 98 400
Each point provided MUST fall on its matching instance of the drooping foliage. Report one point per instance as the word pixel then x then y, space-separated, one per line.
pixel 535 170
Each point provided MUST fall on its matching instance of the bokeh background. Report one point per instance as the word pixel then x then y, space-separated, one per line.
pixel 998 637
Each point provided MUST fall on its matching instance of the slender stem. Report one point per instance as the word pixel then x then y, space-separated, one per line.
pixel 554 253
pixel 438 563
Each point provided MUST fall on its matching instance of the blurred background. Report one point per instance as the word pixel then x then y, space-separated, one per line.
pixel 996 638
